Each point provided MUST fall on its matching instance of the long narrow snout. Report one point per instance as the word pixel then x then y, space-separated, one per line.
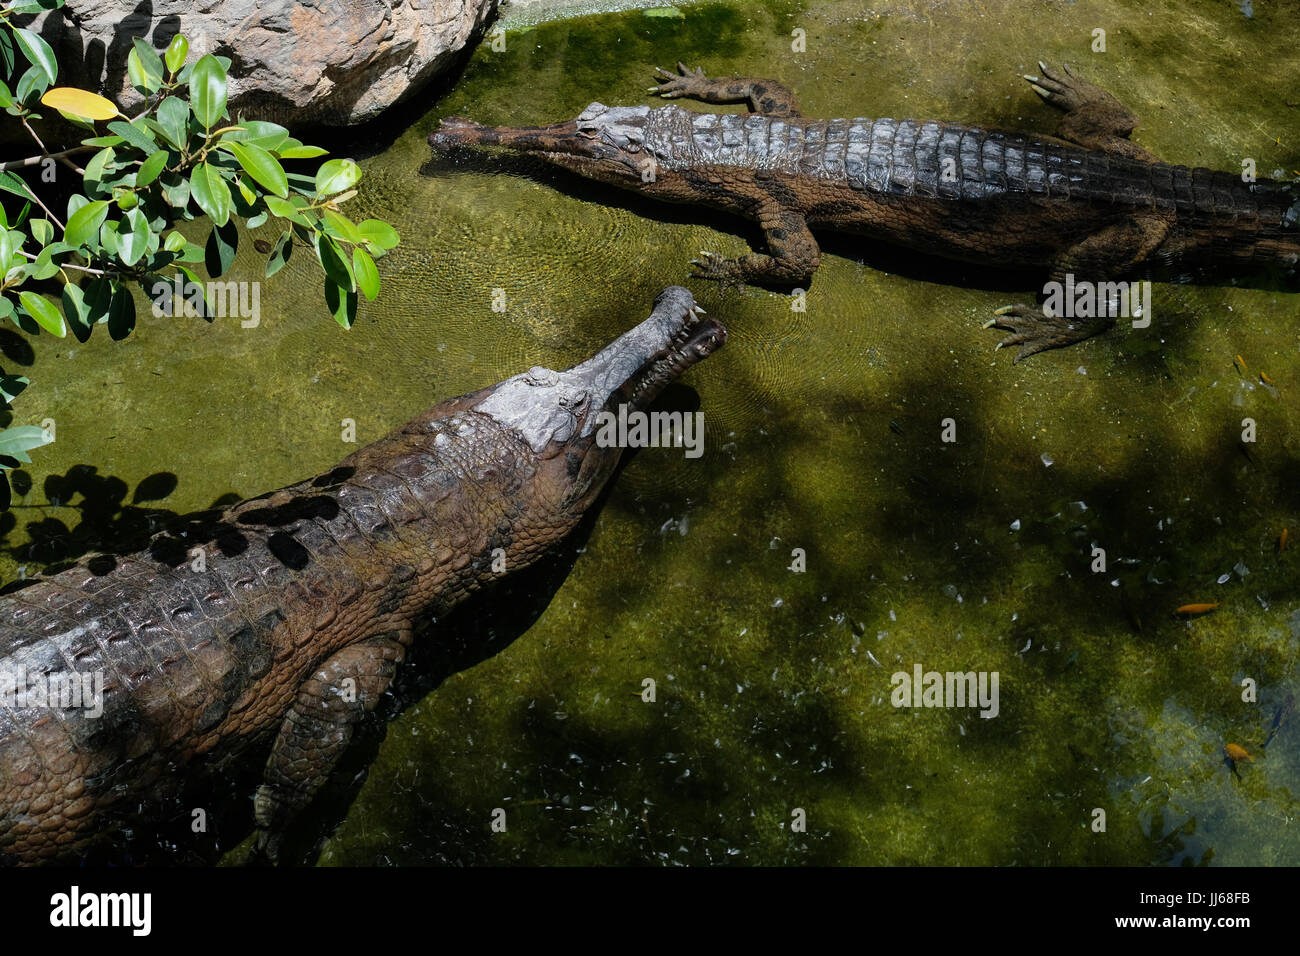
pixel 636 366
pixel 555 138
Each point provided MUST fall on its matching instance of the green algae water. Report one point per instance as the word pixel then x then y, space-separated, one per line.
pixel 829 537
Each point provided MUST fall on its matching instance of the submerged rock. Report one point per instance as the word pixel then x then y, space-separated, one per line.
pixel 295 62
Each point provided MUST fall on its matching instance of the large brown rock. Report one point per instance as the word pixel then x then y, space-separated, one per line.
pixel 296 62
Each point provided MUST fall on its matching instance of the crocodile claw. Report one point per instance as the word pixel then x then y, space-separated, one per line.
pixel 1062 89
pixel 685 82
pixel 712 266
pixel 1037 331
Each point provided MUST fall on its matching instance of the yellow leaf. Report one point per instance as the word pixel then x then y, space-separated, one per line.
pixel 89 106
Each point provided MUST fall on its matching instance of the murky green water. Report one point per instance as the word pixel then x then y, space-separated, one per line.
pixel 773 686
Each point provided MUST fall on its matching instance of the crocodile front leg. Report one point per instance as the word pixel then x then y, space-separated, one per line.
pixel 794 253
pixel 1111 251
pixel 763 96
pixel 318 728
pixel 1093 118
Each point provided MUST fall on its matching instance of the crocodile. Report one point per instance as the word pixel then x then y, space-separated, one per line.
pixel 1087 202
pixel 273 640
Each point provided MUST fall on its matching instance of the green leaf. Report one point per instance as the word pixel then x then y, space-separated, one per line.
pixel 223 242
pixel 204 307
pixel 6 97
pixel 31 85
pixel 6 53
pixel 280 253
pixel 77 311
pixel 11 183
pixel 143 67
pixel 45 267
pixel 341 303
pixel 341 227
pixel 210 192
pixel 174 242
pixel 42 230
pixel 301 152
pixel 17 441
pixel 38 52
pixel 287 210
pixel 101 164
pixel 262 166
pixel 151 168
pixel 10 241
pixel 121 313
pixel 134 238
pixel 134 135
pixel 108 237
pixel 85 222
pixel 331 259
pixel 177 51
pixel 379 232
pixel 173 117
pixel 336 175
pixel 176 190
pixel 45 313
pixel 261 133
pixel 98 298
pixel 34 6
pixel 366 273
pixel 208 91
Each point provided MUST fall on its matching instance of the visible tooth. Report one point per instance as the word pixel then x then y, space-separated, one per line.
pixel 700 309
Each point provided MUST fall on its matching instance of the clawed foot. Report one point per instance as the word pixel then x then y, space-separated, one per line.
pixel 686 82
pixel 712 266
pixel 1036 331
pixel 1062 89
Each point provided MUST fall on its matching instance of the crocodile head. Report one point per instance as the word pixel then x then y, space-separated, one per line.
pixel 558 413
pixel 606 143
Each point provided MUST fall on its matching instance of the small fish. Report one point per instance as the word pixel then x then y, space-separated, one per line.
pixel 1281 541
pixel 1238 752
pixel 1240 363
pixel 1265 379
pixel 1191 610
pixel 1230 762
pixel 1279 718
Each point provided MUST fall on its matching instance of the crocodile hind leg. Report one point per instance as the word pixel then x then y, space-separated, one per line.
pixel 1093 118
pixel 1114 250
pixel 763 96
pixel 318 728
pixel 793 252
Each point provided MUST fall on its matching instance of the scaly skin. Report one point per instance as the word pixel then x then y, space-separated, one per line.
pixel 306 600
pixel 1087 201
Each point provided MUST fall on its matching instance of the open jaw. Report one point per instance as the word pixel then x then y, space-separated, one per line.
pixel 635 367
